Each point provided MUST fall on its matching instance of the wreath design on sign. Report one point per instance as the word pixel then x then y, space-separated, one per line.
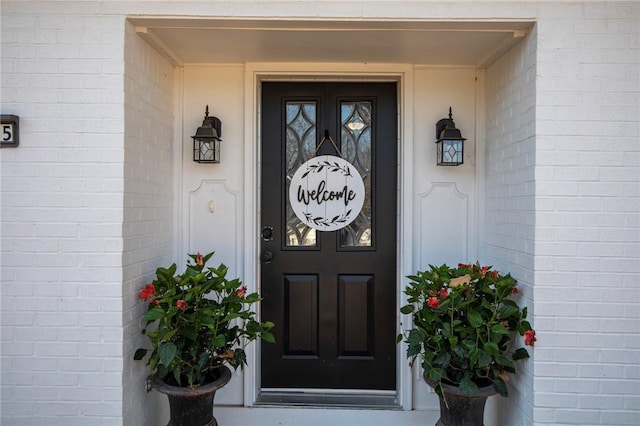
pixel 332 166
pixel 321 221
pixel 326 193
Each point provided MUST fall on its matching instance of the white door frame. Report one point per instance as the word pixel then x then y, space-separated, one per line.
pixel 255 73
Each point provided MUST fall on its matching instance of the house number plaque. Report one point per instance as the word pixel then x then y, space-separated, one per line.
pixel 9 131
pixel 326 193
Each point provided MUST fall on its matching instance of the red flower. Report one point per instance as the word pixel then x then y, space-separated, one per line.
pixel 529 337
pixel 241 291
pixel 493 274
pixel 147 292
pixel 433 302
pixel 444 293
pixel 199 260
pixel 464 265
pixel 182 305
pixel 515 290
pixel 484 270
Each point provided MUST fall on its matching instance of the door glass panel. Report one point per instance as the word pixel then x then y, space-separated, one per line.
pixel 355 119
pixel 300 145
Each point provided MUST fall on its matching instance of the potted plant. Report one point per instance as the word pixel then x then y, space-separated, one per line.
pixel 198 323
pixel 465 328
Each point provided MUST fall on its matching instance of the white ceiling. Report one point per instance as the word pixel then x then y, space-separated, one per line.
pixel 200 40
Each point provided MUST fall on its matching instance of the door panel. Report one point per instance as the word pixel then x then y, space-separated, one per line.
pixel 331 294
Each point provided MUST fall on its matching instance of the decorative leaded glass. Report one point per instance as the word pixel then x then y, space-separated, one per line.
pixel 301 125
pixel 355 119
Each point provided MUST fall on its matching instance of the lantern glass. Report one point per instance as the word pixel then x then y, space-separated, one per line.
pixel 450 152
pixel 206 150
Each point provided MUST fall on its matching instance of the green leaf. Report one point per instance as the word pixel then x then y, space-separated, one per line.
pixel 443 359
pixel 176 375
pixel 169 334
pixel 484 359
pixel 491 348
pixel 153 314
pixel 434 375
pixel 407 309
pixel 499 329
pixel 202 360
pixel 252 298
pixel 524 327
pixel 500 386
pixel 504 361
pixel 520 354
pixel 231 316
pixel 219 340
pixel 140 353
pixel 268 337
pixel 468 387
pixel 210 312
pixel 416 336
pixel 475 319
pixel 508 309
pixel 167 352
pixel 189 333
pixel 399 338
pixel 413 350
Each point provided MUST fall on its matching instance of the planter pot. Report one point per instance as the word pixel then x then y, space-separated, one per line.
pixel 192 407
pixel 461 409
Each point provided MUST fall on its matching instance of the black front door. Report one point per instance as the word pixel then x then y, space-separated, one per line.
pixel 332 295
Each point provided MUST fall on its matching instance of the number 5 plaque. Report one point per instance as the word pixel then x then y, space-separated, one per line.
pixel 9 134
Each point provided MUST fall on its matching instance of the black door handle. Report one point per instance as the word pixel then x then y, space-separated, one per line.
pixel 267 233
pixel 267 256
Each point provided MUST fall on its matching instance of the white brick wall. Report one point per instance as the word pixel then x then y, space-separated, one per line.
pixel 509 227
pixel 587 220
pixel 148 197
pixel 62 216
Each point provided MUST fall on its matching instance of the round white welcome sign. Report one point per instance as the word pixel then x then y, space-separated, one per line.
pixel 326 193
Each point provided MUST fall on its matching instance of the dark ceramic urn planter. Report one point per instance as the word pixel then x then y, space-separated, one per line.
pixel 192 407
pixel 461 409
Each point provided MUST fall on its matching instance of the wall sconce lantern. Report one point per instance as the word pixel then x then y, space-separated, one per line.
pixel 450 142
pixel 206 141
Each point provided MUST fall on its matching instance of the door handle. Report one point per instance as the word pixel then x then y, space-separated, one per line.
pixel 267 233
pixel 266 256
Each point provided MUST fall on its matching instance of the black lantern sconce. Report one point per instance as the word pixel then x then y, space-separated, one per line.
pixel 206 141
pixel 450 142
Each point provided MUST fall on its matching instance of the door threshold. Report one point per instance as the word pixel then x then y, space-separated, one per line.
pixel 326 398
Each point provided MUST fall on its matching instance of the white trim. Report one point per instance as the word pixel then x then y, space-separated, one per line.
pixel 178 163
pixel 308 416
pixel 254 75
pixel 480 142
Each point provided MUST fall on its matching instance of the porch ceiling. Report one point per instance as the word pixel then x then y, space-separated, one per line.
pixel 200 40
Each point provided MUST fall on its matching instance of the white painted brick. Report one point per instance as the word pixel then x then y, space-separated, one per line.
pixel 579 386
pixel 57 408
pixel 576 417
pixel 89 394
pixel 556 400
pixel 98 349
pixel 628 387
pixel 18 408
pixel 56 379
pixel 98 379
pixel 110 409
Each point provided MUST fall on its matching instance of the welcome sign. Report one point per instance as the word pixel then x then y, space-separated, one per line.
pixel 326 193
